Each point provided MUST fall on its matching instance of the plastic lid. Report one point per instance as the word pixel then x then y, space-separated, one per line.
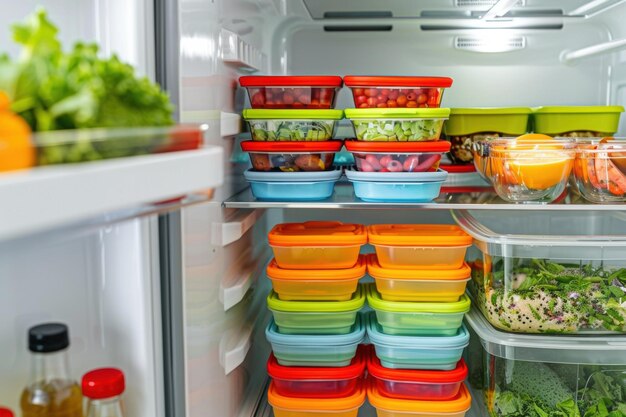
pixel 375 368
pixel 578 109
pixel 291 146
pixel 397 147
pixel 292 114
pixel 376 271
pixel 461 403
pixel 458 169
pixel 354 370
pixel 396 177
pixel 289 80
pixel 355 303
pixel 103 383
pixel 356 272
pixel 290 177
pixel 318 233
pixel 318 404
pixel 377 303
pixel 397 113
pixel 356 335
pixel 490 110
pixel 5 412
pixel 372 81
pixel 48 337
pixel 418 235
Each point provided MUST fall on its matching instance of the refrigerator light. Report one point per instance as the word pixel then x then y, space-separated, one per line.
pixel 491 43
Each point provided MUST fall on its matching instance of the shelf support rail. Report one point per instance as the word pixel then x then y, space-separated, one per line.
pixel 593 50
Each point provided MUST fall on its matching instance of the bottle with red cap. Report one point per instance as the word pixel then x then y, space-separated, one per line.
pixel 103 388
pixel 5 412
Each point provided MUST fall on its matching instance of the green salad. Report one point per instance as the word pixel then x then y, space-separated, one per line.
pixel 302 130
pixel 398 130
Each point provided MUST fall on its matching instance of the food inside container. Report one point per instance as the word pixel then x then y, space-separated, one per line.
pixel 397 125
pixel 577 121
pixel 382 92
pixel 291 92
pixel 292 156
pixel 292 186
pixel 396 157
pixel 295 125
pixel 600 171
pixel 548 272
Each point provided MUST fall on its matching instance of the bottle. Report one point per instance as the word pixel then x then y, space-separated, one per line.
pixel 103 388
pixel 51 392
pixel 5 412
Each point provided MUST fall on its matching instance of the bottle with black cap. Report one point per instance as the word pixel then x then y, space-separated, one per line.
pixel 51 391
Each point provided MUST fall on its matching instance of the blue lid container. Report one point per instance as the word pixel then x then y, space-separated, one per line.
pixel 402 187
pixel 416 352
pixel 315 350
pixel 292 186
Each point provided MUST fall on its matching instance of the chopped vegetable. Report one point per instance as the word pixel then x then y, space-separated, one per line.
pixel 297 130
pixel 398 130
pixel 462 148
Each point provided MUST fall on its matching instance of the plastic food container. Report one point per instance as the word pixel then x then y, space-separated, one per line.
pixel 600 171
pixel 291 92
pixel 417 352
pixel 383 92
pixel 577 121
pixel 410 318
pixel 317 244
pixel 416 384
pixel 547 272
pixel 397 157
pixel 315 407
pixel 328 351
pixel 419 246
pixel 397 125
pixel 544 373
pixel 296 125
pixel 315 284
pixel 396 187
pixel 315 317
pixel 430 285
pixel 394 407
pixel 317 382
pixel 292 186
pixel 292 156
pixel 468 125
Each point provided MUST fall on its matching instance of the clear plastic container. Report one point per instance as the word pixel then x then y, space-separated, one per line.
pixel 292 186
pixel 537 374
pixel 315 407
pixel 548 272
pixel 577 121
pixel 291 92
pixel 315 284
pixel 411 318
pixel 397 125
pixel 292 156
pixel 381 92
pixel 419 246
pixel 394 157
pixel 600 171
pixel 428 285
pixel 292 125
pixel 317 244
pixel 396 187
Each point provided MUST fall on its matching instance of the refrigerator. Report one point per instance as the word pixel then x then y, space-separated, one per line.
pixel 172 290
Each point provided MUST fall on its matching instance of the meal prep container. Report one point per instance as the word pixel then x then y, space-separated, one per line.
pixel 292 186
pixel 397 125
pixel 577 121
pixel 317 244
pixel 393 407
pixel 412 384
pixel 315 284
pixel 315 407
pixel 600 171
pixel 468 125
pixel 291 92
pixel 397 157
pixel 317 382
pixel 548 272
pixel 412 318
pixel 292 125
pixel 544 373
pixel 316 350
pixel 315 317
pixel 429 285
pixel 292 156
pixel 396 187
pixel 384 92
pixel 419 246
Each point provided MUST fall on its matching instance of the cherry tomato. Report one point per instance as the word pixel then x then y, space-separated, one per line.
pixel 304 99
pixel 315 104
pixel 381 105
pixel 357 91
pixel 385 160
pixel 288 98
pixel 433 92
pixel 405 91
pixel 381 99
pixel 419 91
pixel 372 160
pixel 411 96
pixel 393 94
pixel 363 105
pixel 422 98
pixel 316 93
pixel 297 92
pixel 411 103
pixel 433 102
pixel 370 92
pixel 365 166
pixel 360 100
pixel 258 99
pixel 372 102
pixel 401 101
pixel 392 103
pixel 384 92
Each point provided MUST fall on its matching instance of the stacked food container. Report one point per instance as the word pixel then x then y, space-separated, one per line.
pixel 418 303
pixel 397 123
pixel 316 365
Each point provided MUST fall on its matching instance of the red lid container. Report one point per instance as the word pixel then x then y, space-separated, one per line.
pixel 397 156
pixel 416 384
pixel 390 92
pixel 292 156
pixel 103 383
pixel 291 92
pixel 318 382
pixel 291 146
pixel 459 169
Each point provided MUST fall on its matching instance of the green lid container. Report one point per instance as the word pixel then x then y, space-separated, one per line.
pixel 557 120
pixel 511 121
pixel 290 114
pixel 399 113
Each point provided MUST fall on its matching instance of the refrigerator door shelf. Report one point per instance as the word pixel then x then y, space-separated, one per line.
pixel 235 226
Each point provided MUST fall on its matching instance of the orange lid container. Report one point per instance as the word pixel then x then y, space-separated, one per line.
pixel 417 235
pixel 318 233
pixel 377 271
pixel 458 405
pixel 292 406
pixel 357 271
